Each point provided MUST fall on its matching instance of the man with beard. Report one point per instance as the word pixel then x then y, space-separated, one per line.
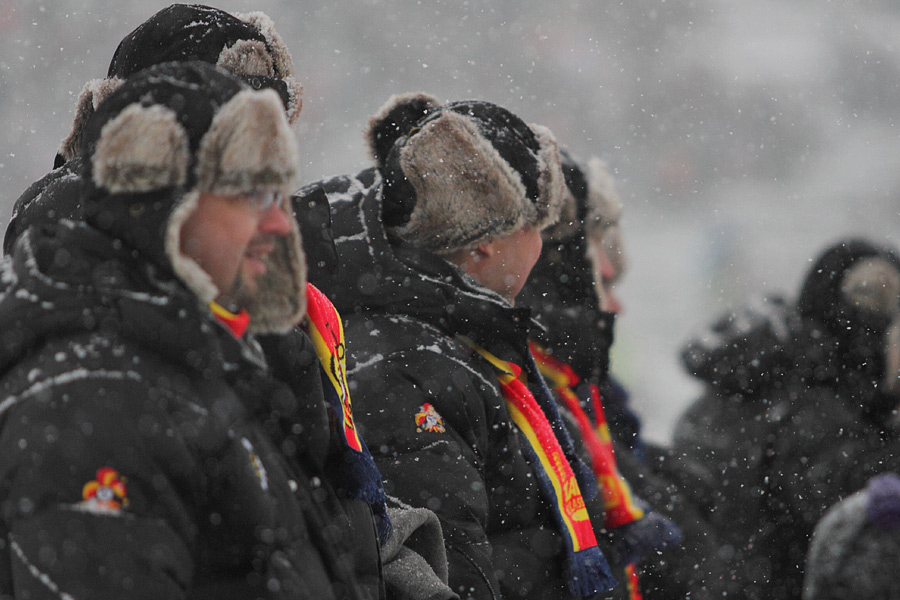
pixel 143 433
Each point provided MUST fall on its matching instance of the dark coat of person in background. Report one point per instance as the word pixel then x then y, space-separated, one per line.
pixel 800 410
pixel 144 444
pixel 569 289
pixel 429 404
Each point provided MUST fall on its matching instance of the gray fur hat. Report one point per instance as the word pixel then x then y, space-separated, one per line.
pixel 244 44
pixel 177 130
pixel 591 206
pixel 459 174
pixel 855 549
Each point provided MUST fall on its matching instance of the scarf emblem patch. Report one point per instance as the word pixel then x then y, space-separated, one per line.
pixel 428 419
pixel 106 493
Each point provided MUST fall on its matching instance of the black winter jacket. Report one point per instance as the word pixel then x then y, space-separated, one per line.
pixel 145 451
pixel 787 428
pixel 50 199
pixel 430 407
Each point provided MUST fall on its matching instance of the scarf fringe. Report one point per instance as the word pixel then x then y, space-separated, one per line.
pixel 589 573
pixel 362 479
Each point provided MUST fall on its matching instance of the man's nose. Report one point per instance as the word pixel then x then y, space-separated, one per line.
pixel 275 221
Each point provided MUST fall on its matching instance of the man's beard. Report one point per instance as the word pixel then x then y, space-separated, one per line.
pixel 238 297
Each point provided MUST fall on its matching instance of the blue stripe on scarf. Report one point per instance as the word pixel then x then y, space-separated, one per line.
pixel 359 474
pixel 588 572
pixel 587 481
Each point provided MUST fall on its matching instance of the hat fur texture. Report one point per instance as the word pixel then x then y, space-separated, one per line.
pixel 92 94
pixel 247 147
pixel 594 211
pixel 605 212
pixel 465 191
pixel 244 58
pixel 159 161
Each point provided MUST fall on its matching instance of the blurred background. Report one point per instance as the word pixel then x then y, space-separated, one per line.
pixel 745 136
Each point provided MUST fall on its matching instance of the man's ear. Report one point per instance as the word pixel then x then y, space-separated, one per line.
pixel 483 250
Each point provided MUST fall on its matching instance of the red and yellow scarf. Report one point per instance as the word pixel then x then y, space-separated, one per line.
pixel 589 572
pixel 359 474
pixel 236 323
pixel 618 501
pixel 358 470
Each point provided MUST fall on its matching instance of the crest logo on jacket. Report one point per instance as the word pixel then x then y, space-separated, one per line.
pixel 258 467
pixel 106 493
pixel 428 419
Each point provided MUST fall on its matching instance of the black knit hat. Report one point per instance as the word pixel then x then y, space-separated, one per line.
pixel 172 132
pixel 459 174
pixel 244 44
pixel 855 549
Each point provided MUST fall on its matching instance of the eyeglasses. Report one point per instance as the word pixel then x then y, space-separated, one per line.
pixel 262 201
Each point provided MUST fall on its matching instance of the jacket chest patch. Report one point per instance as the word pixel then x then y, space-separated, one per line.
pixel 257 465
pixel 428 419
pixel 105 494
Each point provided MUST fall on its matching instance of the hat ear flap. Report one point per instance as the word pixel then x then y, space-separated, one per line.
pixel 249 146
pixel 466 193
pixel 281 56
pixel 395 119
pixel 552 182
pixel 282 61
pixel 142 149
pixel 872 285
pixel 247 57
pixel 604 204
pixel 93 93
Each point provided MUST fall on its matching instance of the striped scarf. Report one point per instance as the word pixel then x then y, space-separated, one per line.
pixel 618 501
pixel 358 471
pixel 619 504
pixel 588 572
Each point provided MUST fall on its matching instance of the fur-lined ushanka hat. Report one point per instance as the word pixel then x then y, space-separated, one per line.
pixel 172 132
pixel 244 44
pixel 459 174
pixel 591 207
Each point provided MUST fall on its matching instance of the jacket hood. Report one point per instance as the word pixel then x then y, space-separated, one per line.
pixel 382 273
pixel 72 279
pixel 758 347
pixel 176 131
pixel 52 198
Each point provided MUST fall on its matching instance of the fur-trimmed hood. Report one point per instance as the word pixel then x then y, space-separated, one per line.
pixel 173 132
pixel 244 44
pixel 462 173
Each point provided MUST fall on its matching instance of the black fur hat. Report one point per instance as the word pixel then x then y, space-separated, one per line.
pixel 244 44
pixel 459 174
pixel 177 130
